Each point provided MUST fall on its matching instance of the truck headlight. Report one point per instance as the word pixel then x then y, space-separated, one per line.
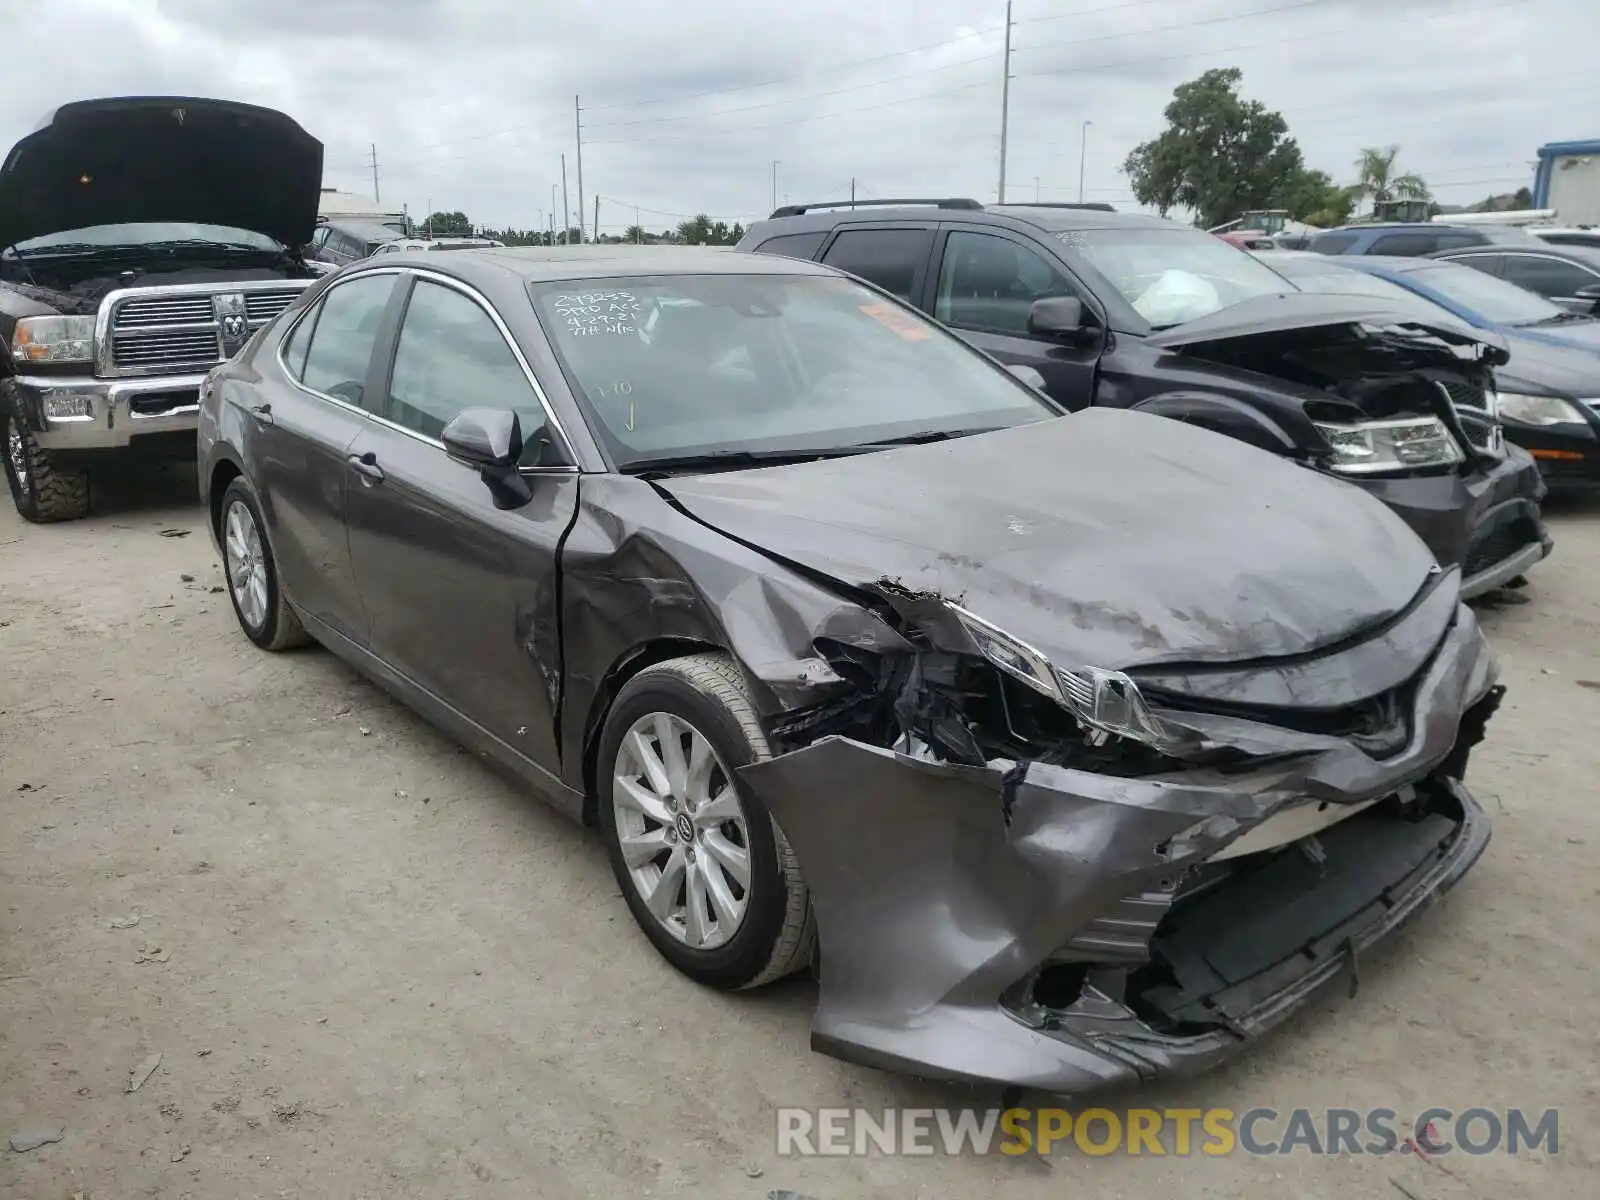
pixel 1372 446
pixel 1539 410
pixel 53 340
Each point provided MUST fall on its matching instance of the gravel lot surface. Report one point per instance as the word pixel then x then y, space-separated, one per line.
pixel 372 968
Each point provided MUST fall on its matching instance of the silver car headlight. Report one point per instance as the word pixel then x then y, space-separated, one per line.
pixel 1371 446
pixel 53 340
pixel 1539 410
pixel 1102 701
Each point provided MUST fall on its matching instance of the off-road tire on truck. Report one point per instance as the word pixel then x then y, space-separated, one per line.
pixel 708 694
pixel 43 492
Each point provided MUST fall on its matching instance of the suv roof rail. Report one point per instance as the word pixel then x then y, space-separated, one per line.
pixel 797 210
pixel 1089 205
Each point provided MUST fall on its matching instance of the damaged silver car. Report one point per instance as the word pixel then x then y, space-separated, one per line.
pixel 1068 749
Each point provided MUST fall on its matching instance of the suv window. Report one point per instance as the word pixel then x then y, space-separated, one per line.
pixel 1456 239
pixel 1547 276
pixel 451 356
pixel 1332 243
pixel 341 343
pixel 988 282
pixel 1405 245
pixel 794 245
pixel 891 258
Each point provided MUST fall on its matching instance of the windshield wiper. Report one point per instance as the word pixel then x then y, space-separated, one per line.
pixel 734 460
pixel 1560 318
pixel 917 439
pixel 203 243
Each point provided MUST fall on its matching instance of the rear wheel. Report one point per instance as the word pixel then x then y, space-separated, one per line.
pixel 707 875
pixel 263 613
pixel 41 490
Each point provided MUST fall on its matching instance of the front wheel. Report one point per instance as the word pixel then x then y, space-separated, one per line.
pixel 707 875
pixel 42 491
pixel 263 613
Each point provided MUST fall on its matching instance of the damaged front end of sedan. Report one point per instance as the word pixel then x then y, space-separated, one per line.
pixel 1060 875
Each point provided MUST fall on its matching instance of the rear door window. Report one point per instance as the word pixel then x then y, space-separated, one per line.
pixel 990 283
pixel 1332 243
pixel 794 245
pixel 894 259
pixel 340 353
pixel 1457 239
pixel 1405 245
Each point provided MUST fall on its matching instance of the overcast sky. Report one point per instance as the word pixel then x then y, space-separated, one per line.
pixel 470 102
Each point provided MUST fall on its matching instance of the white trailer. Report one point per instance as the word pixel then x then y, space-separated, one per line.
pixel 1568 180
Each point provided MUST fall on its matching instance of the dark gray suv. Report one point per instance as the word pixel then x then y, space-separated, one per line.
pixel 1122 310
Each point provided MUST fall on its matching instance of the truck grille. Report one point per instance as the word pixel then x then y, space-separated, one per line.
pixel 183 330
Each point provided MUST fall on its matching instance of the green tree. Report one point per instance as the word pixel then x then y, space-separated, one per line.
pixel 1377 180
pixel 1219 155
pixel 447 224
pixel 1315 199
pixel 635 233
pixel 695 232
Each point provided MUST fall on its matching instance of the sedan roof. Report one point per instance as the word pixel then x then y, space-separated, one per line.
pixel 535 264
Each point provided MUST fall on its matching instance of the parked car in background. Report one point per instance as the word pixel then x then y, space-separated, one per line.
pixel 1413 240
pixel 1561 236
pixel 1249 239
pixel 401 245
pixel 1547 396
pixel 1121 310
pixel 344 241
pixel 1567 275
pixel 790 592
pixel 146 239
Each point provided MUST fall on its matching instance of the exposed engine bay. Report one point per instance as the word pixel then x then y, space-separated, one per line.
pixel 75 284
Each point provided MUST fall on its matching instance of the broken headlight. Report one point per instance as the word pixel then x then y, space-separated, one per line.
pixel 1370 446
pixel 53 340
pixel 1103 702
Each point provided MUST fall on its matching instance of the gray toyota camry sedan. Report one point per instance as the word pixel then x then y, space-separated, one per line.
pixel 1068 749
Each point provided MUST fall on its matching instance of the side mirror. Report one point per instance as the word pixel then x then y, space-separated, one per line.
pixel 1056 316
pixel 1028 375
pixel 1591 296
pixel 484 437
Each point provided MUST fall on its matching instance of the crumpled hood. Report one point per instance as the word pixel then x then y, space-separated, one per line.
pixel 162 158
pixel 1309 310
pixel 1105 538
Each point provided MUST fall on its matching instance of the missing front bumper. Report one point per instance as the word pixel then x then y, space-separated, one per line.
pixel 943 892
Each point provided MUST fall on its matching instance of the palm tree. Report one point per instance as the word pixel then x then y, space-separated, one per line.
pixel 1376 178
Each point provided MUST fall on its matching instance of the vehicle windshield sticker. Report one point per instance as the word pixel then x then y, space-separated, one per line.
pixel 589 314
pixel 906 326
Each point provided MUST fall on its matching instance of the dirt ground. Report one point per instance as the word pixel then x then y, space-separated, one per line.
pixel 372 968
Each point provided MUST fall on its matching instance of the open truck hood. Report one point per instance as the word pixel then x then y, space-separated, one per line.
pixel 162 158
pixel 1107 538
pixel 1308 310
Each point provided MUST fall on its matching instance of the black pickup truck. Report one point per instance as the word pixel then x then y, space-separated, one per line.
pixel 143 240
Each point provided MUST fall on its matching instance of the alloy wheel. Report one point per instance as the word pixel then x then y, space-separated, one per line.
pixel 247 568
pixel 17 452
pixel 681 830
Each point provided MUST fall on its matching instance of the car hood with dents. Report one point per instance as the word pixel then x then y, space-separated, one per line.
pixel 162 158
pixel 1107 538
pixel 1541 365
pixel 1309 310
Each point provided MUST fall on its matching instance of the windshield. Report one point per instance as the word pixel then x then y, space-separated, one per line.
pixel 144 233
pixel 1491 298
pixel 1170 276
pixel 688 365
pixel 1349 281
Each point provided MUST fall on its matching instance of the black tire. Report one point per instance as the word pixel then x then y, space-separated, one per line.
pixel 43 492
pixel 777 933
pixel 279 627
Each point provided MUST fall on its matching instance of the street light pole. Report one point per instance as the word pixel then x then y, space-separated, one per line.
pixel 1005 105
pixel 774 185
pixel 1083 154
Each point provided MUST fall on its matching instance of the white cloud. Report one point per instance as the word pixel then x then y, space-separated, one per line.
pixel 469 102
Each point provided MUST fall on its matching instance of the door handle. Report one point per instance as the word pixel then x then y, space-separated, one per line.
pixel 262 413
pixel 366 465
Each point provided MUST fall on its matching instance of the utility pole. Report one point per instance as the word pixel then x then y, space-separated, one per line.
pixel 552 214
pixel 638 229
pixel 1083 155
pixel 852 191
pixel 427 221
pixel 597 218
pixel 577 124
pixel 1005 104
pixel 1036 189
pixel 774 185
pixel 566 212
pixel 376 199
